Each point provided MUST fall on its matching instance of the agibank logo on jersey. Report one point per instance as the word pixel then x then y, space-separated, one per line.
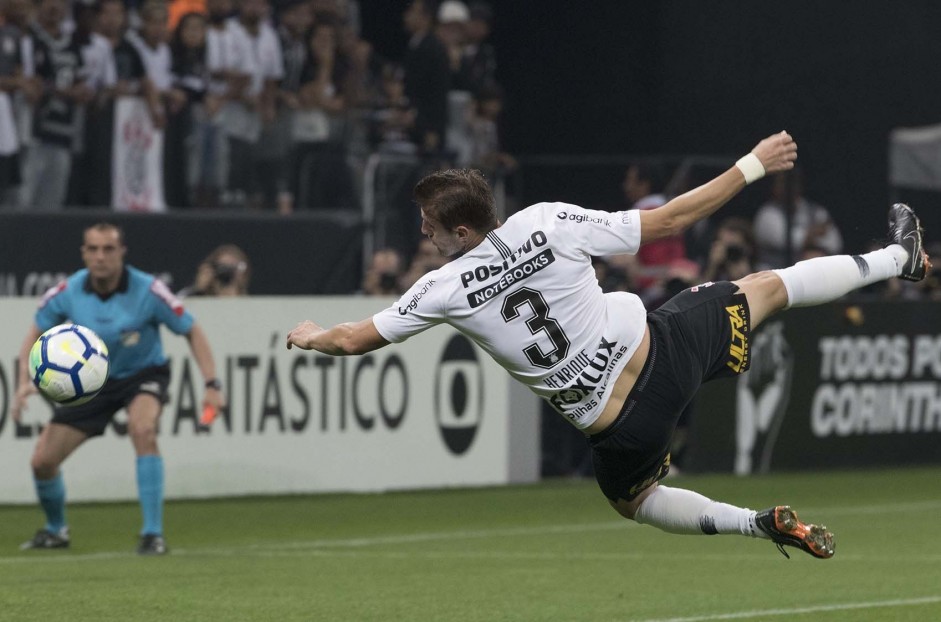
pixel 459 395
pixel 580 218
pixel 413 303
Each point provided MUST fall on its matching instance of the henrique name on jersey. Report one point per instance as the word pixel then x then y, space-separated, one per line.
pixel 583 376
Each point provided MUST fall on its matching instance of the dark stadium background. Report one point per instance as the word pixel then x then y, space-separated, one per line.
pixel 691 76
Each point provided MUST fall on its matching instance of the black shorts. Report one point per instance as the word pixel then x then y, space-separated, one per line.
pixel 94 416
pixel 698 335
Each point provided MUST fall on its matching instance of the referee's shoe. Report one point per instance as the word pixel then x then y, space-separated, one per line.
pixel 152 544
pixel 45 539
pixel 783 527
pixel 905 229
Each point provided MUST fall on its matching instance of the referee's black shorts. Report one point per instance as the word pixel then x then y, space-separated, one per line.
pixel 93 416
pixel 698 335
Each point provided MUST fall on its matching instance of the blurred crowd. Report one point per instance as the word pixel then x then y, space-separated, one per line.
pixel 786 228
pixel 266 104
pixel 280 105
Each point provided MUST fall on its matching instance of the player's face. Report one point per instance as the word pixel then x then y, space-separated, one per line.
pixel 447 242
pixel 103 253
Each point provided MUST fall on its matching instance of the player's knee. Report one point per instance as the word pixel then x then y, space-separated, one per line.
pixel 623 508
pixel 43 466
pixel 767 285
pixel 628 509
pixel 142 433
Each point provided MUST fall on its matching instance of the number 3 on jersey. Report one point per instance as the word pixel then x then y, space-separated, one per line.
pixel 539 322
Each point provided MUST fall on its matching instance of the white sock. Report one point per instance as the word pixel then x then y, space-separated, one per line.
pixel 819 280
pixel 676 510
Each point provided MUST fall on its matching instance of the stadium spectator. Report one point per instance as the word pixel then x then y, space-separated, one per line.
pixel 453 17
pixel 425 259
pixel 321 176
pixel 258 43
pixel 295 18
pixel 643 187
pixel 59 65
pixel 811 224
pixel 190 74
pixel 393 116
pixel 383 277
pixel 731 256
pixel 151 43
pixel 362 85
pixel 427 76
pixel 486 153
pixel 130 80
pixel 479 65
pixel 451 31
pixel 100 76
pixel 108 297
pixel 225 272
pixel 228 65
pixel 11 82
pixel 559 316
pixel 178 8
pixel 17 15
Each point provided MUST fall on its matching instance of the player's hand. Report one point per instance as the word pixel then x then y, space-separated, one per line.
pixel 19 400
pixel 302 334
pixel 777 152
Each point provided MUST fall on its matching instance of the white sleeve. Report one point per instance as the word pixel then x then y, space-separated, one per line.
pixel 595 232
pixel 420 308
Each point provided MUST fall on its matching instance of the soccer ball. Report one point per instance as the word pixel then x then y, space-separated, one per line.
pixel 69 364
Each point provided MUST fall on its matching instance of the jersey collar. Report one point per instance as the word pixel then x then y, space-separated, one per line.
pixel 121 288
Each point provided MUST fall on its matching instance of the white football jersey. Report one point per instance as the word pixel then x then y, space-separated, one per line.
pixel 529 297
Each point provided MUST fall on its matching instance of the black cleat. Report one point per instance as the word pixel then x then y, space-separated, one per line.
pixel 152 544
pixel 782 524
pixel 45 539
pixel 905 229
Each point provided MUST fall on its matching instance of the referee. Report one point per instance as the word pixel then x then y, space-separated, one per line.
pixel 125 307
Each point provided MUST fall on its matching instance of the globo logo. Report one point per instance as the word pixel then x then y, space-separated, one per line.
pixel 459 395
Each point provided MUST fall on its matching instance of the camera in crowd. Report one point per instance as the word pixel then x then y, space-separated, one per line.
pixel 226 272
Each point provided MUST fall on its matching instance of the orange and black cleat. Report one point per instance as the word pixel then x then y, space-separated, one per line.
pixel 783 526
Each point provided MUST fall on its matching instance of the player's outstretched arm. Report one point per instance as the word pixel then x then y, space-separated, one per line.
pixel 25 386
pixel 773 154
pixel 341 340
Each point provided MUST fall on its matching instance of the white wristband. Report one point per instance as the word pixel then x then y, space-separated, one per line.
pixel 751 167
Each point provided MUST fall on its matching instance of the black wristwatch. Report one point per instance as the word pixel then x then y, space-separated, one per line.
pixel 214 383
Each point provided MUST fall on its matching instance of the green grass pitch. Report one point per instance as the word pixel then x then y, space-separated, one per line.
pixel 553 551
